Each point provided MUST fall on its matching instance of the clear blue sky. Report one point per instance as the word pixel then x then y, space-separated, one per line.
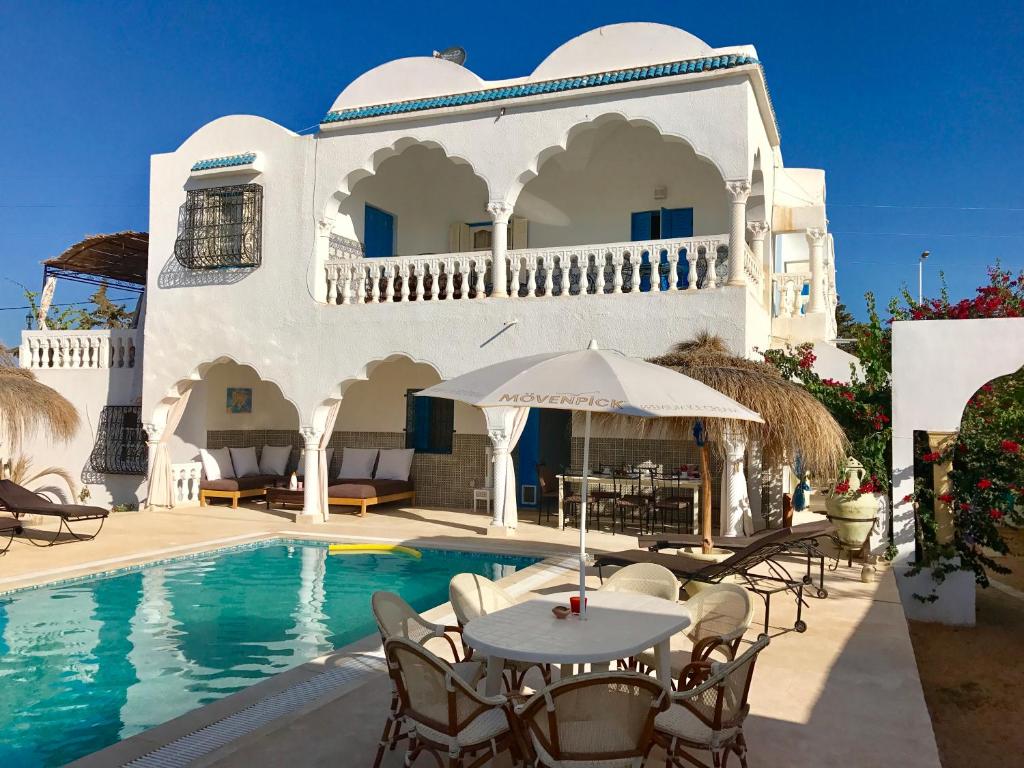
pixel 913 109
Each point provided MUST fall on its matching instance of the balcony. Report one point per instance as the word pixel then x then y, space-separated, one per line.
pixel 580 271
pixel 76 350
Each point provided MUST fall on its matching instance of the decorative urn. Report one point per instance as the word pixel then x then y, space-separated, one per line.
pixel 853 513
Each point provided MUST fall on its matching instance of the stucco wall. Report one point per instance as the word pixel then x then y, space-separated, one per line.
pixel 269 408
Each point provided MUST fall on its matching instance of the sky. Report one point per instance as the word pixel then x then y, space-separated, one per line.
pixel 913 109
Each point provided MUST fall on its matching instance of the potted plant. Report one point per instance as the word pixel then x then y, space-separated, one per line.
pixel 852 506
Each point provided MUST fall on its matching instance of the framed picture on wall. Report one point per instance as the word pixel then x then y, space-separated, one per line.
pixel 239 400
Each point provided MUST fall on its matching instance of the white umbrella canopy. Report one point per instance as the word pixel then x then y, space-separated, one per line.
pixel 593 381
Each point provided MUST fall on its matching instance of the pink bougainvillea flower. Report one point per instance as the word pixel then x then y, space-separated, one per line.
pixel 984 483
pixel 842 487
pixel 946 498
pixel 908 497
pixel 995 514
pixel 965 506
pixel 1010 446
pixel 847 395
pixel 931 457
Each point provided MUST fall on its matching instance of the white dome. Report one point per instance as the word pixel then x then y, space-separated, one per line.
pixel 620 46
pixel 416 77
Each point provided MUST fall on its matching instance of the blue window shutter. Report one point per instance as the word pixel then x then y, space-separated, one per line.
pixel 378 233
pixel 640 225
pixel 422 424
pixel 676 222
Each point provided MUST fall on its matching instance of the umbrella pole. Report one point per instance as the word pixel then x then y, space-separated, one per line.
pixel 705 501
pixel 583 518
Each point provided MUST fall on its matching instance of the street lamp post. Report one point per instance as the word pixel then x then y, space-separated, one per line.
pixel 920 275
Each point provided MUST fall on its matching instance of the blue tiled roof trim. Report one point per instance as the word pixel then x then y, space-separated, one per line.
pixel 245 158
pixel 686 67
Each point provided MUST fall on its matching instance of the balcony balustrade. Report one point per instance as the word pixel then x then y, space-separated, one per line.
pixel 577 271
pixel 185 478
pixel 94 349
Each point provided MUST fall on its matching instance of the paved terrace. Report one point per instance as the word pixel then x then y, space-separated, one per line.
pixel 847 692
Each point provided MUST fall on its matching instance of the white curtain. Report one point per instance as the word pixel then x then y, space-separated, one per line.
pixel 515 424
pixel 161 486
pixel 325 438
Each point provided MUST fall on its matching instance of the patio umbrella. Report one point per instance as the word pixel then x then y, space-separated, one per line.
pixel 592 381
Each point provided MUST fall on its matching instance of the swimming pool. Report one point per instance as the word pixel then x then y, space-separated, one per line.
pixel 87 663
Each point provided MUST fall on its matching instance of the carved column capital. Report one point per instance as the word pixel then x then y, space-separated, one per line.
pixel 738 189
pixel 758 229
pixel 816 236
pixel 153 432
pixel 324 227
pixel 310 437
pixel 500 211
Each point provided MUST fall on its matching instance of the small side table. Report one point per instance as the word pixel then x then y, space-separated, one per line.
pixel 483 494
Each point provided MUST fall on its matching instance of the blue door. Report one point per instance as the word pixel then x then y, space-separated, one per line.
pixel 675 222
pixel 378 233
pixel 527 455
pixel 655 225
pixel 644 225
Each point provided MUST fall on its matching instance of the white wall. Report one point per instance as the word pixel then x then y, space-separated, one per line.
pixel 89 391
pixel 269 408
pixel 587 193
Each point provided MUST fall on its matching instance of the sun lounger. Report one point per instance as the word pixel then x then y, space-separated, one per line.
pixel 21 501
pixel 740 565
pixel 11 528
pixel 366 493
pixel 802 541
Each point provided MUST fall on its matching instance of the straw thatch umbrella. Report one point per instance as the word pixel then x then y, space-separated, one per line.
pixel 27 407
pixel 794 421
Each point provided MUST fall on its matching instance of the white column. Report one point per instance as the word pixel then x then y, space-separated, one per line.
pixel 499 430
pixel 153 433
pixel 500 212
pixel 739 191
pixel 758 233
pixel 735 504
pixel 311 480
pixel 816 240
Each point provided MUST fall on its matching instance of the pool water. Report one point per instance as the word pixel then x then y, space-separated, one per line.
pixel 86 664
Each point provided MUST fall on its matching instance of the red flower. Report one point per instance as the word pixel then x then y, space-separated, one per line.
pixel 1009 446
pixel 946 498
pixel 930 457
pixel 842 487
pixel 807 359
pixel 995 514
pixel 984 483
pixel 965 506
pixel 847 395
pixel 866 487
pixel 907 498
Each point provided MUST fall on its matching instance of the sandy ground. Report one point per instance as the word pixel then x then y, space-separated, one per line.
pixel 973 677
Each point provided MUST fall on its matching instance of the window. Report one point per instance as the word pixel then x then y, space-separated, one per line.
pixel 221 228
pixel 429 423
pixel 120 447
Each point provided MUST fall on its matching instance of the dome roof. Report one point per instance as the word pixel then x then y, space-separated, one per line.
pixel 415 77
pixel 619 46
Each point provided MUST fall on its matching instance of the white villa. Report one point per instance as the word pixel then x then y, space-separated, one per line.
pixel 630 189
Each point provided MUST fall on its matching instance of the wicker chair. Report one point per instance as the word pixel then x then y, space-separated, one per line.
pixel 396 618
pixel 446 715
pixel 472 596
pixel 708 711
pixel 603 720
pixel 645 579
pixel 719 611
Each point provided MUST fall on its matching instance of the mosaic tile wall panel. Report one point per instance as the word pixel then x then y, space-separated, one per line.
pixel 442 480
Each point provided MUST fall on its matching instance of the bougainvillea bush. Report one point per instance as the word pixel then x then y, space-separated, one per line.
pixel 986 454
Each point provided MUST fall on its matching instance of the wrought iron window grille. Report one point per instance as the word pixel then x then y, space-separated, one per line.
pixel 221 228
pixel 120 447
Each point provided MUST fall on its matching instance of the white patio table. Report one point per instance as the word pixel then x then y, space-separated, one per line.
pixel 618 625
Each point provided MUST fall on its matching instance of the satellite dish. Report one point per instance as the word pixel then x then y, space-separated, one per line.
pixel 456 54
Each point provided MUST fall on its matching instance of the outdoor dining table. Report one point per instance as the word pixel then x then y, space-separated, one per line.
pixel 605 480
pixel 618 625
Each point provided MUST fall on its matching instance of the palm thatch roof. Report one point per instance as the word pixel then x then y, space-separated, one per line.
pixel 28 407
pixel 794 421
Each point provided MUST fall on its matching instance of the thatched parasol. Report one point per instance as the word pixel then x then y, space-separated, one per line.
pixel 26 407
pixel 794 421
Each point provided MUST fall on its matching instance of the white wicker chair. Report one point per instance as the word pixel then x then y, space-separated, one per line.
pixel 708 711
pixel 446 715
pixel 396 618
pixel 472 596
pixel 603 720
pixel 644 579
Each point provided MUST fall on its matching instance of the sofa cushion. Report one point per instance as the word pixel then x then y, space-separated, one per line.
pixel 367 489
pixel 394 464
pixel 250 483
pixel 274 459
pixel 216 463
pixel 357 463
pixel 244 462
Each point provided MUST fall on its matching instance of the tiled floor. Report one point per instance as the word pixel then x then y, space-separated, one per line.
pixel 846 692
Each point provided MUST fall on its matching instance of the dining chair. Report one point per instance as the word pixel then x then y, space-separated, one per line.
pixel 448 717
pixel 708 710
pixel 472 596
pixel 603 720
pixel 632 499
pixel 672 501
pixel 719 612
pixel 397 619
pixel 548 502
pixel 644 579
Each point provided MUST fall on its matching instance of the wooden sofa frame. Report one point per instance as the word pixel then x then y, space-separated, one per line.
pixel 205 494
pixel 372 501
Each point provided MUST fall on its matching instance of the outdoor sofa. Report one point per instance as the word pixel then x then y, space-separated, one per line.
pixel 365 493
pixel 21 501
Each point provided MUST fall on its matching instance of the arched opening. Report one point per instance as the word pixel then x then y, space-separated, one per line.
pixel 449 439
pixel 417 201
pixel 231 406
